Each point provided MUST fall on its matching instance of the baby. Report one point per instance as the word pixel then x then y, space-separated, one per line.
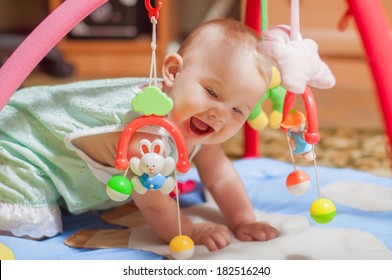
pixel 58 144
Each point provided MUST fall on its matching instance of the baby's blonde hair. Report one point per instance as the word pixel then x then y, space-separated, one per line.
pixel 238 35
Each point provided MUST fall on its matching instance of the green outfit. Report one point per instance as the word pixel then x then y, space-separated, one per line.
pixel 40 169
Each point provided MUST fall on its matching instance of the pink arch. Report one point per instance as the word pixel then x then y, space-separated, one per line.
pixel 43 38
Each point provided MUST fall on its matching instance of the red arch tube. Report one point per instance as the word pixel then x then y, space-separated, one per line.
pixel 251 136
pixel 312 135
pixel 122 161
pixel 373 27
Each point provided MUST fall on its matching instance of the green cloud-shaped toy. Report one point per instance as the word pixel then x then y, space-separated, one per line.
pixel 152 101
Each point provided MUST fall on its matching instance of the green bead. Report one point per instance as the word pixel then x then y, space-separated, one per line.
pixel 323 219
pixel 152 101
pixel 119 188
pixel 322 210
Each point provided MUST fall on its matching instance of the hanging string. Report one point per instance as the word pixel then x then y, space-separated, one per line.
pixel 153 67
pixel 291 152
pixel 178 205
pixel 316 173
pixel 294 17
pixel 126 171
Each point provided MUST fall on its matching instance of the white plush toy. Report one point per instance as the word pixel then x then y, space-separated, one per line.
pixel 298 60
pixel 152 170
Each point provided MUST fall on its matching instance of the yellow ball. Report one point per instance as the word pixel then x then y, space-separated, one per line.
pixel 6 253
pixel 182 247
pixel 322 210
pixel 260 122
pixel 275 119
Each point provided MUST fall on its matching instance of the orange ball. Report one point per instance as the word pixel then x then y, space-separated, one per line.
pixel 298 182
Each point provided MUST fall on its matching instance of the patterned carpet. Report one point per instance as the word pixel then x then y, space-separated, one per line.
pixel 353 148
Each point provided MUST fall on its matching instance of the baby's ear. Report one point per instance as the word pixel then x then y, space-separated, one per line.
pixel 171 66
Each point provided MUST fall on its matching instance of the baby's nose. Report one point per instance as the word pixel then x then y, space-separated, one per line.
pixel 215 113
pixel 216 119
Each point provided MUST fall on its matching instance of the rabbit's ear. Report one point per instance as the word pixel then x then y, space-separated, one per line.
pixel 157 146
pixel 145 146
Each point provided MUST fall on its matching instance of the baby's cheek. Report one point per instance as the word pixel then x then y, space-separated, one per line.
pixel 178 115
pixel 232 128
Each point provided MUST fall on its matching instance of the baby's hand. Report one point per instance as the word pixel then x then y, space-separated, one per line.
pixel 256 231
pixel 213 236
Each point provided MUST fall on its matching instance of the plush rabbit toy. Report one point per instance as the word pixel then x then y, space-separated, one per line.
pixel 152 170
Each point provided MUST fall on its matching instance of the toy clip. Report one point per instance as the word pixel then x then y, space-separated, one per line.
pixel 153 12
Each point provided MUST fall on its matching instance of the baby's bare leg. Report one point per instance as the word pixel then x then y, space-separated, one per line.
pixel 160 212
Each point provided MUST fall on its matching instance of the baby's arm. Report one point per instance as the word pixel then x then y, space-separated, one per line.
pixel 160 212
pixel 220 177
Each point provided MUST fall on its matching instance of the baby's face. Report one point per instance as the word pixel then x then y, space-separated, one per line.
pixel 215 92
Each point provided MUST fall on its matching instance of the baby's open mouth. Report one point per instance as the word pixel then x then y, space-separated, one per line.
pixel 199 127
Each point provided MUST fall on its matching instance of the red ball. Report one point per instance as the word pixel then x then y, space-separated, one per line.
pixel 298 182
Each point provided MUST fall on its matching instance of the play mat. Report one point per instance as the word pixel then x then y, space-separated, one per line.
pixel 362 228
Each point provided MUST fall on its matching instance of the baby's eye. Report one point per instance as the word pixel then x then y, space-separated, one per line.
pixel 212 93
pixel 235 109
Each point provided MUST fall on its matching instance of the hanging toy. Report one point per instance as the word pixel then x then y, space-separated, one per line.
pixel 322 210
pixel 300 66
pixel 119 188
pixel 298 182
pixel 153 171
pixel 258 119
pixel 295 122
pixel 182 247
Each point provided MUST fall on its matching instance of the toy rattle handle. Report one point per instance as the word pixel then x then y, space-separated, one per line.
pixel 122 161
pixel 312 135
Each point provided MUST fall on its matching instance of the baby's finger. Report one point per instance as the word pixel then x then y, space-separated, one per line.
pixel 221 239
pixel 209 242
pixel 263 233
pixel 259 235
pixel 225 231
pixel 244 236
pixel 271 233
